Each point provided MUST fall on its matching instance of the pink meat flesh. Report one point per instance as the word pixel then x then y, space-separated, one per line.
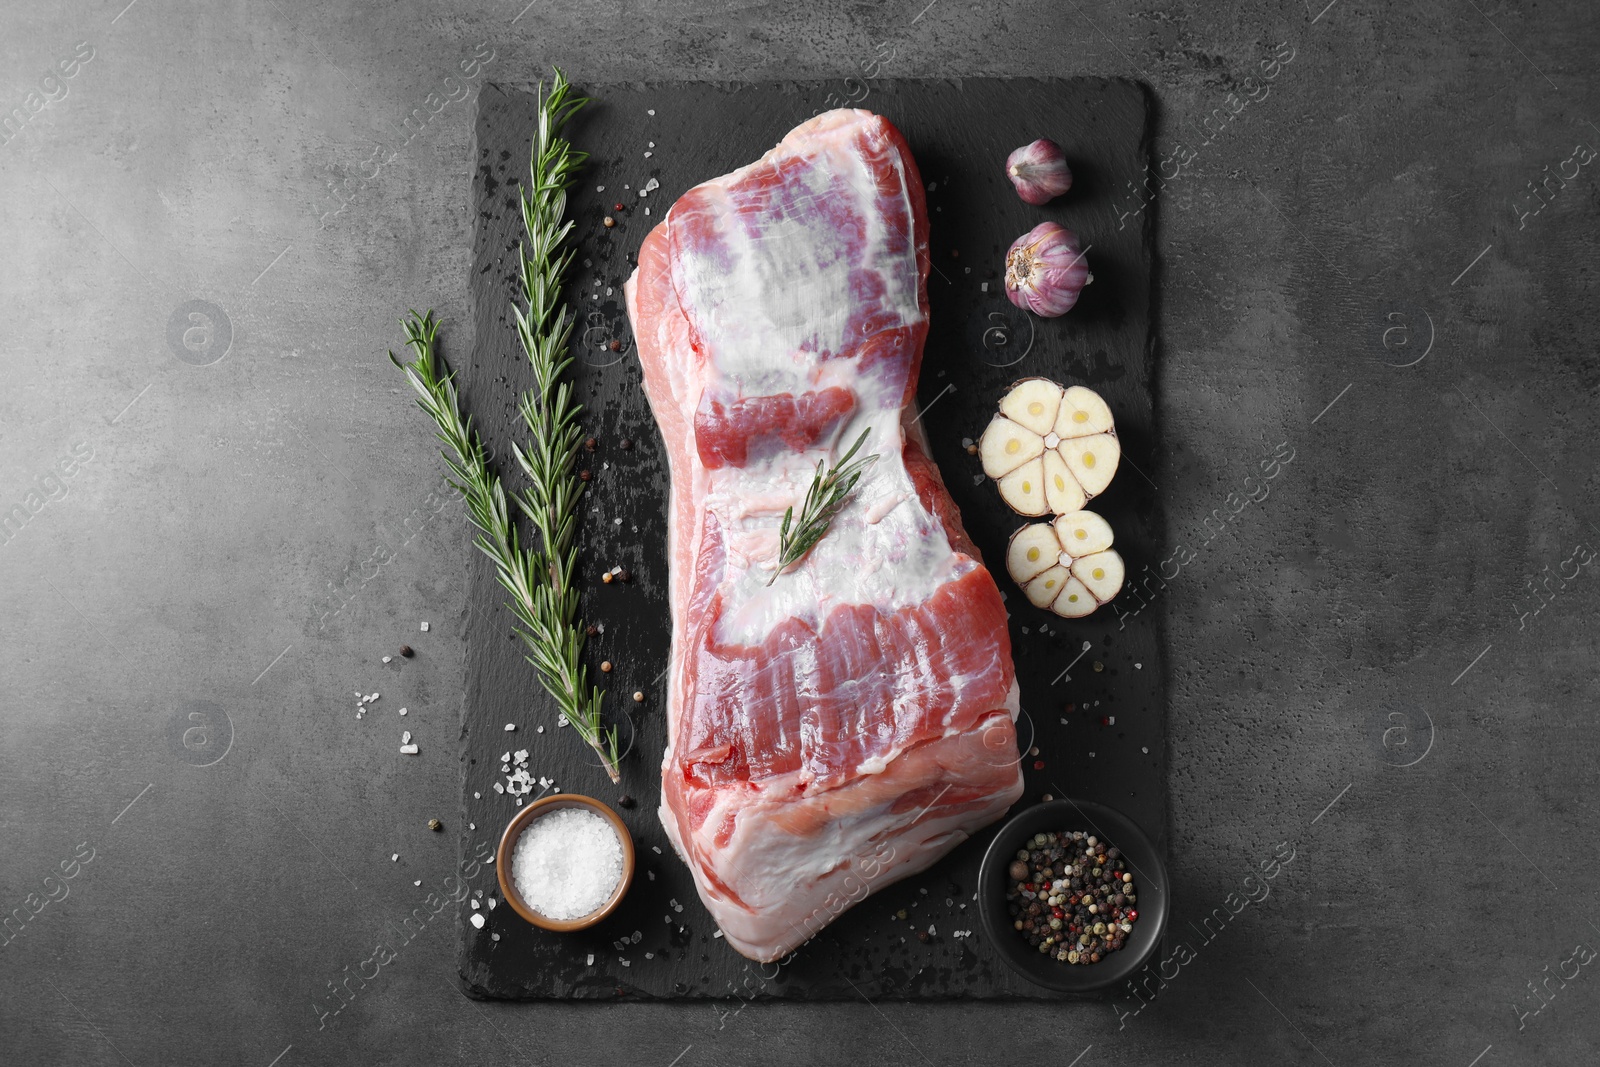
pixel 851 723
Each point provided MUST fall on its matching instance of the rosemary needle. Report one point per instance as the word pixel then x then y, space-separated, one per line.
pixel 827 495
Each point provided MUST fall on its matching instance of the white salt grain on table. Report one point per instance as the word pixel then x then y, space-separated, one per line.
pixel 567 863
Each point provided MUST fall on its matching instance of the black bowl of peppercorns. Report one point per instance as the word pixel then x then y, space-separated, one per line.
pixel 1073 896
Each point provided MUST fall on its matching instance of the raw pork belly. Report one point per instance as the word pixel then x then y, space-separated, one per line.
pixel 854 721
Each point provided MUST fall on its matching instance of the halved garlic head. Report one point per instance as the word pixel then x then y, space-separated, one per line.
pixel 1066 566
pixel 1071 429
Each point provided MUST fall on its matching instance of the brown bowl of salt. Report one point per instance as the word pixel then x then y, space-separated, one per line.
pixel 565 862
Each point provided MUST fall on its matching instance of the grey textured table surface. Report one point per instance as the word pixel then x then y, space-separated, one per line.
pixel 1379 254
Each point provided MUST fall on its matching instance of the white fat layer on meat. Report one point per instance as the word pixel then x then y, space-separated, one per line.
pixel 790 290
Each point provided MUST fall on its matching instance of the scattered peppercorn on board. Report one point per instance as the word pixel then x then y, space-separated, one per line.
pixel 1093 689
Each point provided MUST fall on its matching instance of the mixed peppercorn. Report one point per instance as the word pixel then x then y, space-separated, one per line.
pixel 1071 897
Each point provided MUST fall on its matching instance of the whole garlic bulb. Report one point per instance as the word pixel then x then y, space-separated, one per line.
pixel 1045 270
pixel 1039 171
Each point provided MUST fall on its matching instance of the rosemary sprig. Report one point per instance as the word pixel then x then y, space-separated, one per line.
pixel 829 492
pixel 540 580
pixel 545 612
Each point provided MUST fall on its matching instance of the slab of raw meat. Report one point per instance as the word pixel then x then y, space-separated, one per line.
pixel 851 723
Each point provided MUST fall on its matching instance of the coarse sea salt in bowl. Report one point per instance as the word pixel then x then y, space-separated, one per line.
pixel 565 862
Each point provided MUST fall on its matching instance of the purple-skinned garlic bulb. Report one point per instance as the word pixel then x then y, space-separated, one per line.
pixel 1039 171
pixel 1045 270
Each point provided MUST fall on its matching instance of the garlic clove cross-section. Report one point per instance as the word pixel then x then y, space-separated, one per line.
pixel 1101 574
pixel 1082 533
pixel 1062 490
pixel 1023 489
pixel 1092 460
pixel 1033 403
pixel 1065 440
pixel 1067 566
pixel 1034 549
pixel 1007 445
pixel 1075 601
pixel 1047 586
pixel 1082 412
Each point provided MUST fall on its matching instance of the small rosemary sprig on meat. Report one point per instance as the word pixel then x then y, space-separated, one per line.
pixel 540 580
pixel 829 492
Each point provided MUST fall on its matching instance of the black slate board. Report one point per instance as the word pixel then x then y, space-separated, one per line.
pixel 960 133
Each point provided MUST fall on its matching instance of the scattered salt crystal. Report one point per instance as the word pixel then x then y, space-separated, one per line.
pixel 408 750
pixel 417 882
pixel 498 788
pixel 1111 720
pixel 522 755
pixel 627 963
pixel 505 757
pixel 647 155
pixel 599 188
pixel 1146 751
pixel 617 521
pixel 932 186
pixel 647 211
pixel 494 937
pixel 984 287
pixel 656 849
pixel 652 875
pixel 477 920
pixel 510 726
pixel 477 796
pixel 539 729
pixel 386 659
pixel 395 858
pixel 424 627
pixel 493 903
pixel 652 111
pixel 405 737
pixel 717 934
pixel 402 711
pixel 474 904
pixel 472 825
pixel 652 143
pixel 590 961
pixel 568 863
pixel 649 955
pixel 1138 666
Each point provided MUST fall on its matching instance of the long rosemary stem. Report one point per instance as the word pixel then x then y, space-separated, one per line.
pixel 539 579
